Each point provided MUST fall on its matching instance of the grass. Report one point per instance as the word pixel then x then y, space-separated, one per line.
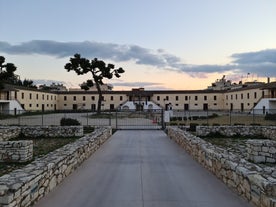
pixel 41 147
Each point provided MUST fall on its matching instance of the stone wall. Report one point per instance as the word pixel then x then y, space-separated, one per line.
pixel 252 182
pixel 262 131
pixel 52 131
pixel 25 186
pixel 261 151
pixel 16 151
pixel 7 133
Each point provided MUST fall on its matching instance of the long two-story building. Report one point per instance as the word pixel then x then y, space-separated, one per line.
pixel 242 97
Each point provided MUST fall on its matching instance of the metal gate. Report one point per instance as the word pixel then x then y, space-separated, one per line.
pixel 144 119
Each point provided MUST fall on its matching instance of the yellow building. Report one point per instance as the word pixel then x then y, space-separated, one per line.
pixel 243 98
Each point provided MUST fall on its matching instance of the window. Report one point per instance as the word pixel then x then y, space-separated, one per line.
pixel 30 95
pixel 236 96
pixel 74 98
pixel 47 97
pixel 121 98
pixel 83 98
pixel 241 96
pixel 248 96
pixel 215 98
pixel 51 97
pixel 22 95
pixel 176 98
pixel 186 98
pixel 111 107
pixel 37 96
pixel 37 105
pixel 65 98
pixel 205 98
pixel 30 105
pixel 93 98
pixel 42 96
pixel 167 98
pixel 255 95
pixel 226 97
pixel 196 98
pixel 158 98
pixel 111 98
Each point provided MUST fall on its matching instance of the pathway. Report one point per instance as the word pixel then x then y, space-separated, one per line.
pixel 141 168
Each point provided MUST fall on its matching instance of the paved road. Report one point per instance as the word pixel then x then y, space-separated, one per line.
pixel 137 168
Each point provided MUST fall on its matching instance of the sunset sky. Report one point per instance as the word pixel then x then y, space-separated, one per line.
pixel 176 44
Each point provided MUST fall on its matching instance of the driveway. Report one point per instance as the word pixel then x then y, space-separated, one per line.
pixel 141 168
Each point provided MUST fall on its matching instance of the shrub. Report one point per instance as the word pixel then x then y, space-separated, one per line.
pixel 193 127
pixel 238 124
pixel 255 124
pixel 270 117
pixel 173 118
pixel 69 122
pixel 213 115
pixel 195 117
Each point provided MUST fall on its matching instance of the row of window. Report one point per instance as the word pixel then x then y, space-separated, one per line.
pixel 241 96
pixel 167 98
pixel 48 97
pixel 186 98
pixel 37 105
pixel 92 98
pixel 205 98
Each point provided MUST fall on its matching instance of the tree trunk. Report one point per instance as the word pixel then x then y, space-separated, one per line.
pixel 100 98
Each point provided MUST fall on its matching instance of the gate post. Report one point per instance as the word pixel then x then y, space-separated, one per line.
pixel 162 119
pixel 116 119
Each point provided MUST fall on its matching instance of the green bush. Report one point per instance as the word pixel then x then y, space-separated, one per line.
pixel 213 115
pixel 69 122
pixel 193 127
pixel 255 124
pixel 195 117
pixel 238 124
pixel 270 117
pixel 173 119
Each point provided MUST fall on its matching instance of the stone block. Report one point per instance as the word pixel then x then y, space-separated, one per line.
pixel 259 159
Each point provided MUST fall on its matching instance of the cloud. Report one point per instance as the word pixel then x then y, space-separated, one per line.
pixel 262 63
pixel 90 50
pixel 263 56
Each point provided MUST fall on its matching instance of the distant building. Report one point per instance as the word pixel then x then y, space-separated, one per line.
pixel 53 87
pixel 221 96
pixel 104 87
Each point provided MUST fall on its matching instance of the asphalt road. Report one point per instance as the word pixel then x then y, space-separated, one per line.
pixel 141 168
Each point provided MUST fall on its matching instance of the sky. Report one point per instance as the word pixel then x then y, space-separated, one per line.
pixel 176 44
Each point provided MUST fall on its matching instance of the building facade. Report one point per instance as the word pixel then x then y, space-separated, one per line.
pixel 246 98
